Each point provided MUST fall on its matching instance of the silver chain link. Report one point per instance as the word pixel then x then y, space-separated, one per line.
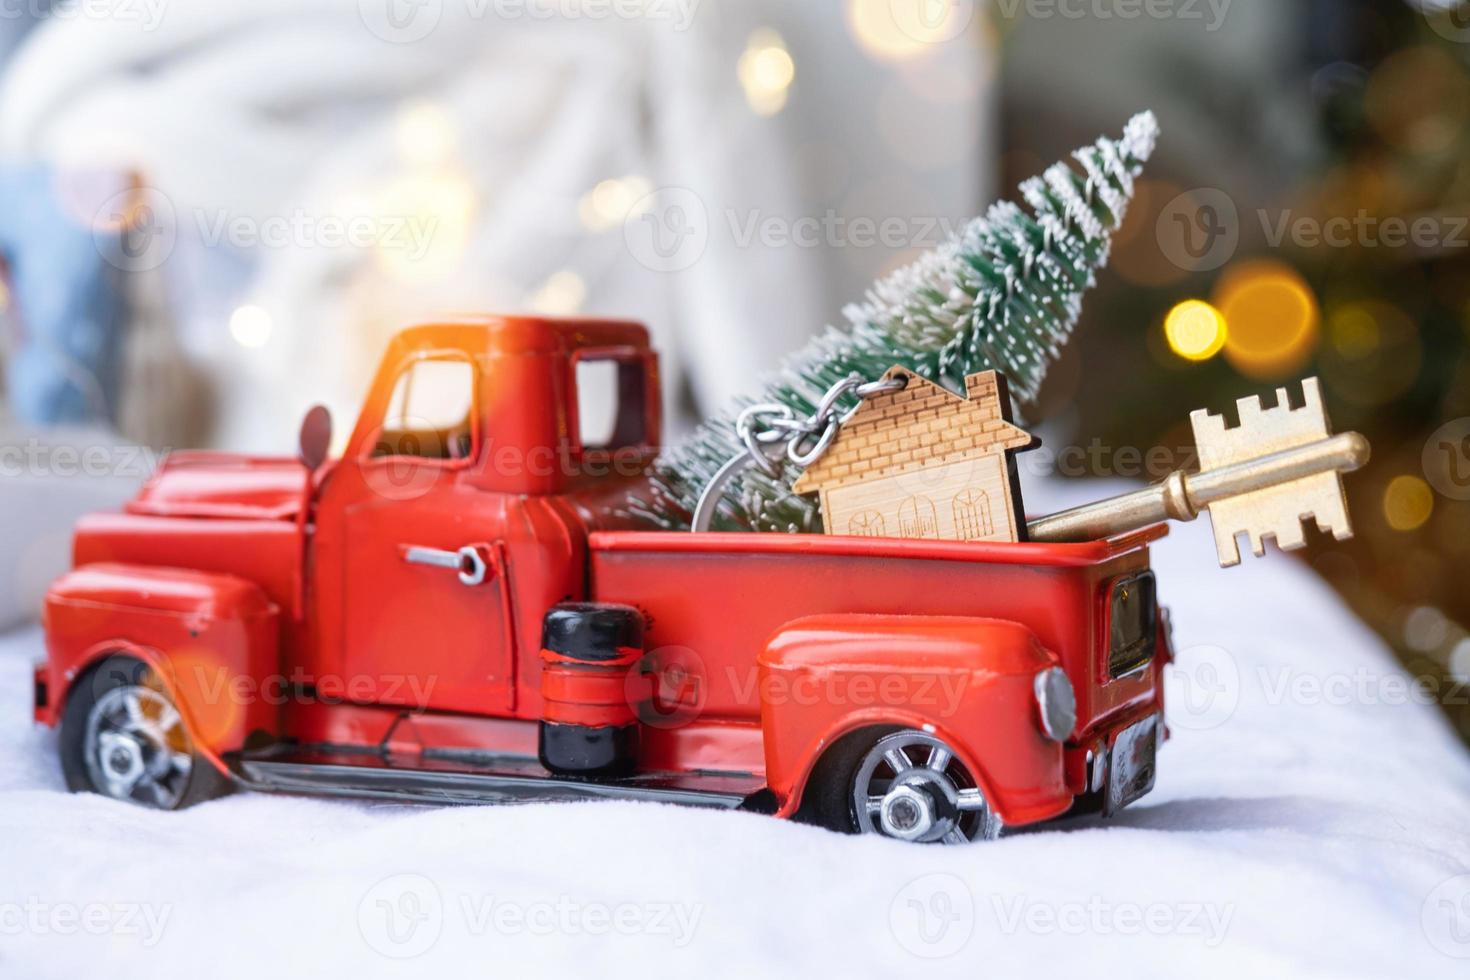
pixel 771 430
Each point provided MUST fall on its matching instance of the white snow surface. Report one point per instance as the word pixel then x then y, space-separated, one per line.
pixel 1295 830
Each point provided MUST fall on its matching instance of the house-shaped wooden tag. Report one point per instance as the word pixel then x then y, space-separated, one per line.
pixel 925 463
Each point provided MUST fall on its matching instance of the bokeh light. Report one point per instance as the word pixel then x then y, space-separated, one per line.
pixel 4 298
pixel 876 27
pixel 1407 503
pixel 427 134
pixel 766 71
pixel 1419 99
pixel 612 202
pixel 439 209
pixel 1373 353
pixel 251 326
pixel 1274 323
pixel 1195 330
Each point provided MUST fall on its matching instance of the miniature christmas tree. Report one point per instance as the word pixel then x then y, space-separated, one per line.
pixel 1003 294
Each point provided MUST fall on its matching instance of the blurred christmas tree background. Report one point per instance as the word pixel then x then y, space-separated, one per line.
pixel 1308 217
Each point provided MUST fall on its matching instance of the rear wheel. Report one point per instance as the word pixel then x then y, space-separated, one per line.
pixel 122 736
pixel 899 783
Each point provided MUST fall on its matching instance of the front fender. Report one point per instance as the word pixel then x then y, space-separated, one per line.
pixel 202 633
pixel 967 681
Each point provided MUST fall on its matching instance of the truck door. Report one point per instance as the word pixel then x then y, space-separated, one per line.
pixel 424 613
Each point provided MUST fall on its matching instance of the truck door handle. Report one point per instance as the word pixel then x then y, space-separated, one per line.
pixel 467 561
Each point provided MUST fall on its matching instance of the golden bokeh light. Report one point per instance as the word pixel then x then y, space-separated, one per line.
pixel 766 71
pixel 1407 503
pixel 878 30
pixel 1273 320
pixel 1195 330
pixel 4 298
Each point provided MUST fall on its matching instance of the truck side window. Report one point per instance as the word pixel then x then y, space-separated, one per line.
pixel 431 414
pixel 611 403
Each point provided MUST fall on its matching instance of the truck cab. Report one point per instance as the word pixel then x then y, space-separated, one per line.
pixel 458 608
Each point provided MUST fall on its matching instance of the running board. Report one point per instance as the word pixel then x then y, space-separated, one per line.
pixel 466 779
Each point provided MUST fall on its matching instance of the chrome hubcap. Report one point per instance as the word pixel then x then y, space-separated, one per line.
pixel 137 748
pixel 907 813
pixel 910 787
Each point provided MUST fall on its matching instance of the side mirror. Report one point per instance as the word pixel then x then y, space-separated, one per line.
pixel 316 437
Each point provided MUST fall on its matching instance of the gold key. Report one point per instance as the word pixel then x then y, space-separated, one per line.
pixel 1261 479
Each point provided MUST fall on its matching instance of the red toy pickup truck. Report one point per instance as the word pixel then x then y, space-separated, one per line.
pixel 444 614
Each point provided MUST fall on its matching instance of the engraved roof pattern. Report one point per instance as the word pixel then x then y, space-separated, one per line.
pixel 924 425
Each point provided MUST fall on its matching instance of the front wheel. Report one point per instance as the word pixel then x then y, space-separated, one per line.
pixel 904 784
pixel 122 736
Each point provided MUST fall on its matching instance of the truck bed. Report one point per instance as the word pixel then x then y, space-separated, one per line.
pixel 718 598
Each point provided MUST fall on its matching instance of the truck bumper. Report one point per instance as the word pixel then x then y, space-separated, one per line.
pixel 1116 767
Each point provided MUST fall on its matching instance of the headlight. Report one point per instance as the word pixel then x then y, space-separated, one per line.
pixel 1058 703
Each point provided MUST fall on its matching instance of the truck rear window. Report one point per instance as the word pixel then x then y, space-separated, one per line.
pixel 1133 623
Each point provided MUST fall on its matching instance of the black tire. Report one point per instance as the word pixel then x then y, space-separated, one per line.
pixel 111 681
pixel 827 801
pixel 949 802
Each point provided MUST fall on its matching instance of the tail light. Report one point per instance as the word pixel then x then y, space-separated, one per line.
pixel 1057 703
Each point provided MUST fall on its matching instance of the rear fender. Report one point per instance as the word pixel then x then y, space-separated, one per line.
pixel 212 639
pixel 967 681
